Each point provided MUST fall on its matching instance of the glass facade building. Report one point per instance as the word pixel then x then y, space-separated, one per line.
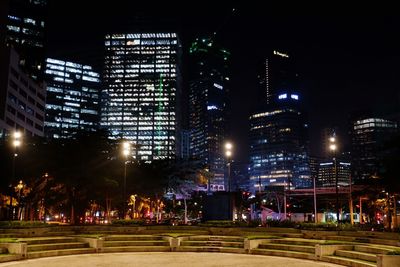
pixel 141 89
pixel 73 98
pixel 209 83
pixel 26 32
pixel 327 177
pixel 278 146
pixel 368 136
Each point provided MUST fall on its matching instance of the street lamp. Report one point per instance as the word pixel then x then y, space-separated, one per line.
pixel 126 151
pixel 333 149
pixel 228 154
pixel 17 136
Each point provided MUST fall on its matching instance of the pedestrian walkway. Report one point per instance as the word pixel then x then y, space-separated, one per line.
pixel 175 259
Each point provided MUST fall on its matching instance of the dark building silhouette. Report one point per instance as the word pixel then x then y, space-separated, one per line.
pixel 209 86
pixel 25 31
pixel 368 137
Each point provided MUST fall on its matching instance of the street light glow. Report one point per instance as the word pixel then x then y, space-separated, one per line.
pixel 228 146
pixel 17 135
pixel 332 147
pixel 228 153
pixel 332 139
pixel 126 148
pixel 17 143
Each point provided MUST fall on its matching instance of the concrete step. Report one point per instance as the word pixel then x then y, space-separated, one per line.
pixel 347 261
pixel 63 252
pixel 56 246
pixel 9 257
pixel 299 248
pixel 136 243
pixel 137 249
pixel 216 238
pixel 373 250
pixel 132 238
pixel 282 253
pixel 356 255
pixel 46 240
pixel 202 243
pixel 210 249
pixel 63 233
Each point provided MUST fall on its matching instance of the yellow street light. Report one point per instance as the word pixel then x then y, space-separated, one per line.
pixel 332 147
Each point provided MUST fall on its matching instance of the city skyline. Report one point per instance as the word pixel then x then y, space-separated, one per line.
pixel 340 60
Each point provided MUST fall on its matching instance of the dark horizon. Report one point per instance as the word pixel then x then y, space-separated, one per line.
pixel 347 63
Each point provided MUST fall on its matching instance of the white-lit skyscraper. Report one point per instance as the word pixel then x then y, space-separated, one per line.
pixel 141 92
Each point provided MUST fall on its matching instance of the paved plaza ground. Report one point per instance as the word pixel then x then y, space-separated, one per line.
pixel 176 259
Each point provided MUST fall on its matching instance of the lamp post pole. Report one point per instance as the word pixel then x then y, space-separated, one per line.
pixel 315 203
pixel 228 154
pixel 126 152
pixel 333 148
pixel 16 143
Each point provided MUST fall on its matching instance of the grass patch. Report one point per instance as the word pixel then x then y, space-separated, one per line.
pixel 251 237
pixel 90 235
pixel 175 234
pixel 9 240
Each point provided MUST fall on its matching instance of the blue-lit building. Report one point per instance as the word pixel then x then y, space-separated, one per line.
pixel 141 92
pixel 278 146
pixel 209 86
pixel 73 98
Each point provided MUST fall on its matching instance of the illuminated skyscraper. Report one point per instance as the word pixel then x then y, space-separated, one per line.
pixel 276 74
pixel 26 33
pixel 209 81
pixel 72 102
pixel 278 146
pixel 141 87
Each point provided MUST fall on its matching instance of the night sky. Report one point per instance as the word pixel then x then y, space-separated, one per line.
pixel 347 62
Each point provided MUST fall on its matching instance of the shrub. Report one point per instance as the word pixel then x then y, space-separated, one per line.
pixel 21 224
pixel 127 222
pixel 394 252
pixel 283 223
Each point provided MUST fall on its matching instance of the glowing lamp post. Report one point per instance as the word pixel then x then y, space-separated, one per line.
pixel 126 151
pixel 228 154
pixel 333 149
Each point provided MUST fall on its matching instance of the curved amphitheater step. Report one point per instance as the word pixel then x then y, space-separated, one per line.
pixel 135 243
pixel 229 244
pixel 361 255
pixel 55 246
pixel 287 247
pixel 348 262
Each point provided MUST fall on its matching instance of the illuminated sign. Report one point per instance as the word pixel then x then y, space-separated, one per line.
pixel 296 97
pixel 212 107
pixel 280 54
pixel 220 87
pixel 282 96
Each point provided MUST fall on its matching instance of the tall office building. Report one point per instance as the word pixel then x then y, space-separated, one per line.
pixel 22 101
pixel 26 33
pixel 141 89
pixel 276 74
pixel 278 146
pixel 209 83
pixel 327 175
pixel 368 137
pixel 73 96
